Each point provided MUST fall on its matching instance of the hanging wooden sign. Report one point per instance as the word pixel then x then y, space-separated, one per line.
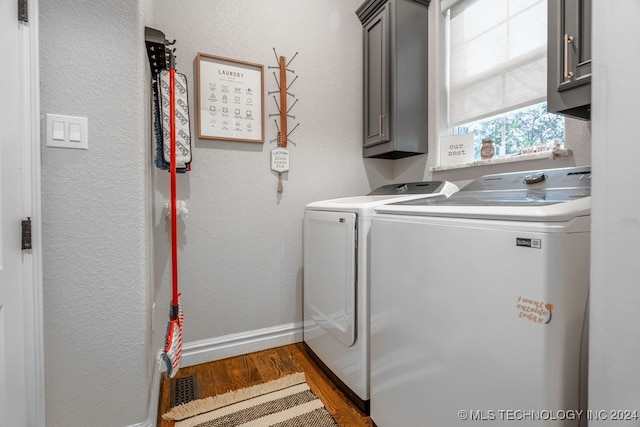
pixel 280 163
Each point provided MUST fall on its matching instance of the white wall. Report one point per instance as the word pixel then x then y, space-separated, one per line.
pixel 94 206
pixel 240 247
pixel 615 271
pixel 240 256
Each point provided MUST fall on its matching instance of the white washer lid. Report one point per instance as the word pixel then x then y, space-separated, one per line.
pixel 547 195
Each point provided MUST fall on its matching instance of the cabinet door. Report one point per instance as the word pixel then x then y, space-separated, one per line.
pixel 376 87
pixel 576 43
pixel 569 58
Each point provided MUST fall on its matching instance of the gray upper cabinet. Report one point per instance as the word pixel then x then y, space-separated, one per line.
pixel 395 77
pixel 569 58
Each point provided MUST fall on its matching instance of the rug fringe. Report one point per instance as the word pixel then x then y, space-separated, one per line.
pixel 195 407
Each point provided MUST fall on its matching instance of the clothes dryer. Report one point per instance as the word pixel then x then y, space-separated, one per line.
pixel 336 281
pixel 479 304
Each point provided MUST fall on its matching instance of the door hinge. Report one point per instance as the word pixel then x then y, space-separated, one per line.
pixel 23 10
pixel 26 233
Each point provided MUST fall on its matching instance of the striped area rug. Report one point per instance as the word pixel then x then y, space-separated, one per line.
pixel 285 402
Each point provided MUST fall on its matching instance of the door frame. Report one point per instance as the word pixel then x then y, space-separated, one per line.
pixel 31 181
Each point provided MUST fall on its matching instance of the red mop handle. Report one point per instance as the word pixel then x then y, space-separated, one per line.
pixel 174 219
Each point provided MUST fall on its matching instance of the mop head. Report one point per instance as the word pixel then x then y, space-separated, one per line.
pixel 159 158
pixel 173 342
pixel 162 125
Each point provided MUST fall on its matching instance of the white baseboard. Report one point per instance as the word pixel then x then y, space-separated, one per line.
pixel 208 350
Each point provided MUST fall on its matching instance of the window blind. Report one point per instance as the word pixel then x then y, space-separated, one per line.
pixel 497 57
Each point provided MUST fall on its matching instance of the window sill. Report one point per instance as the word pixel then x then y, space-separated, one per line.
pixel 506 159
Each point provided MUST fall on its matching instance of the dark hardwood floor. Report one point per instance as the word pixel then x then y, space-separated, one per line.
pixel 250 369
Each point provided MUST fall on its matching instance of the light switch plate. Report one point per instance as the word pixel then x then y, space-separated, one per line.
pixel 67 132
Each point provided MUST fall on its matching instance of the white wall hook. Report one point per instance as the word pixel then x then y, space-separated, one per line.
pixel 181 209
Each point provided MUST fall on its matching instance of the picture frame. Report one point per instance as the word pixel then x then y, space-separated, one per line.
pixel 230 96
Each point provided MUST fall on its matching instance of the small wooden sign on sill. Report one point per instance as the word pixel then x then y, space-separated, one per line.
pixel 456 149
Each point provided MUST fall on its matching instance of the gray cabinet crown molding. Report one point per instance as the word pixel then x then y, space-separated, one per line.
pixel 370 7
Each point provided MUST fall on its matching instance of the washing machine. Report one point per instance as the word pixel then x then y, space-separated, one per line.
pixel 479 304
pixel 336 281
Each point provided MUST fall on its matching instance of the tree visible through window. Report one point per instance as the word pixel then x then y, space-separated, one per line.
pixel 511 132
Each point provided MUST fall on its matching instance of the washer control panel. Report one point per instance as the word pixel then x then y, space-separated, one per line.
pixel 573 177
pixel 426 187
pixel 544 187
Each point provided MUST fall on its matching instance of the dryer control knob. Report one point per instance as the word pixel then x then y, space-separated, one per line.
pixel 535 178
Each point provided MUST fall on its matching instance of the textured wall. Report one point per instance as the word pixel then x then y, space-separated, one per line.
pixel 241 245
pixel 614 365
pixel 94 205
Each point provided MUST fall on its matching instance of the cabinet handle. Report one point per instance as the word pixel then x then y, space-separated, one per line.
pixel 567 41
pixel 380 128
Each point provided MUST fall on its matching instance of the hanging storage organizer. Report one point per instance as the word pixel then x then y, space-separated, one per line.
pixel 159 52
pixel 173 153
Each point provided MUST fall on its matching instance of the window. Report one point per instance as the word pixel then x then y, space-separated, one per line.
pixel 515 132
pixel 497 73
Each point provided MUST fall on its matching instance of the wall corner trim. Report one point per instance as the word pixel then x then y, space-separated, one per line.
pixel 152 415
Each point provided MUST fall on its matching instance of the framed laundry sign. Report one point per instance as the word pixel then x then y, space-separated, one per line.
pixel 230 99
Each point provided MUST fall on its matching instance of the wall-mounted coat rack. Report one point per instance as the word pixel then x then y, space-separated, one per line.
pixel 280 155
